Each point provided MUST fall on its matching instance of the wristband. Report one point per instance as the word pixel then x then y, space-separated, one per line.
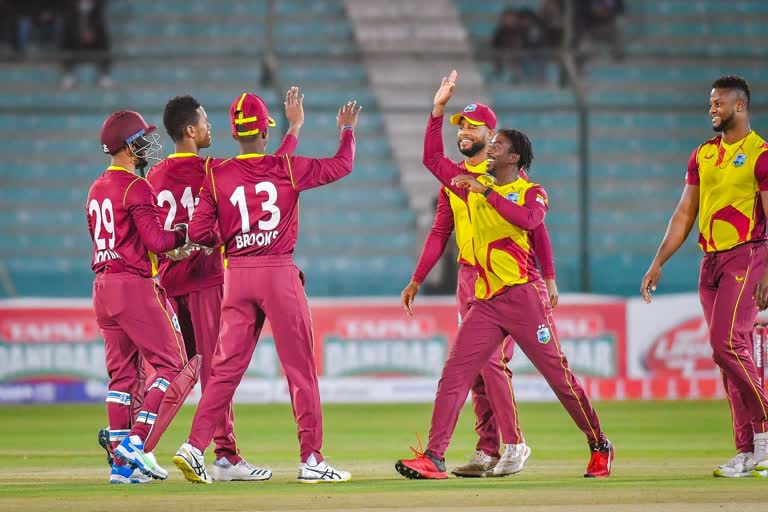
pixel 487 192
pixel 347 126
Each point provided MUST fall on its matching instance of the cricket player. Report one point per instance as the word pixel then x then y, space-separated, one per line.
pixel 492 393
pixel 195 283
pixel 511 299
pixel 726 186
pixel 131 308
pixel 254 200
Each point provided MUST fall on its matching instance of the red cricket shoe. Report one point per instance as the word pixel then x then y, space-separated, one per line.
pixel 601 461
pixel 424 466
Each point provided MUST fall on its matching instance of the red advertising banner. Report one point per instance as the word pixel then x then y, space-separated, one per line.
pixel 360 340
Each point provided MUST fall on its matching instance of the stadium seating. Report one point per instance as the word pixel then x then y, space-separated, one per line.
pixel 647 113
pixel 354 234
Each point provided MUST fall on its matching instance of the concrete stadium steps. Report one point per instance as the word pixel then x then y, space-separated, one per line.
pixel 212 50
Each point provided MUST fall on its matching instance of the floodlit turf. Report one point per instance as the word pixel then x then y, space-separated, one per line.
pixel 49 460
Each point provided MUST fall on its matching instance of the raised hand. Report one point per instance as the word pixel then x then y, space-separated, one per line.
pixel 444 93
pixel 348 114
pixel 294 106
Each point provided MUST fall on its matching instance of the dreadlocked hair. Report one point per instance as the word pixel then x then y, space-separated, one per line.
pixel 521 145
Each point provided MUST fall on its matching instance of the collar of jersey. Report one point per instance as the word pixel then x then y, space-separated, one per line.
pixel 249 155
pixel 118 168
pixel 736 144
pixel 480 168
pixel 181 155
pixel 492 181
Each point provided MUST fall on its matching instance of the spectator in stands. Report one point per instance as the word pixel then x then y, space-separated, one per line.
pixel 507 43
pixel 552 23
pixel 23 21
pixel 598 21
pixel 85 39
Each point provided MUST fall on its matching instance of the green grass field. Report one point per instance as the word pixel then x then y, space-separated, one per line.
pixel 49 460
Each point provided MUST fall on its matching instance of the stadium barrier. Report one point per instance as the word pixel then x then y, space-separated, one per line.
pixel 368 350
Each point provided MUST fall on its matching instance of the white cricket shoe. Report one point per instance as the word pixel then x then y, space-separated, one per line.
pixel 131 452
pixel 739 466
pixel 191 462
pixel 127 475
pixel 761 452
pixel 512 460
pixel 225 471
pixel 481 465
pixel 313 472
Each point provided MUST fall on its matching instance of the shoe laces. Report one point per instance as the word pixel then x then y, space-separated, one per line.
pixel 247 465
pixel 738 459
pixel 481 457
pixel 761 447
pixel 512 451
pixel 419 452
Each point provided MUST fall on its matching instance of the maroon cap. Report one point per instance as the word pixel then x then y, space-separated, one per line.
pixel 477 114
pixel 122 128
pixel 249 115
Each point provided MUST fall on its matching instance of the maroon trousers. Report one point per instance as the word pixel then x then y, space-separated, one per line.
pixel 493 398
pixel 199 315
pixel 726 283
pixel 136 320
pixel 524 313
pixel 257 288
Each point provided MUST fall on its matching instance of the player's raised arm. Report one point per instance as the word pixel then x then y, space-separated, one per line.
pixel 434 245
pixel 434 158
pixel 307 173
pixel 142 205
pixel 294 113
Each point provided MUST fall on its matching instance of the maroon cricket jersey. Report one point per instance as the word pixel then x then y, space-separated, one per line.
pixel 177 181
pixel 125 226
pixel 255 199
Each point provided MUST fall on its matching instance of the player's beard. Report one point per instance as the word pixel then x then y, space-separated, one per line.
pixel 725 123
pixel 472 150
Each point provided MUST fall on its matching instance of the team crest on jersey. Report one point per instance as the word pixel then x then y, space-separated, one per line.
pixel 513 196
pixel 471 107
pixel 543 334
pixel 175 322
pixel 739 160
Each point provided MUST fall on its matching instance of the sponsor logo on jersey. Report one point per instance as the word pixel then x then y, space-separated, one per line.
pixel 513 196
